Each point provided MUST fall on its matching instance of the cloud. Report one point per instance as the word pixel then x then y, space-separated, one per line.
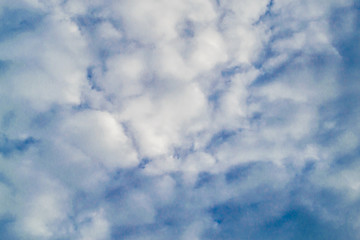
pixel 98 135
pixel 179 120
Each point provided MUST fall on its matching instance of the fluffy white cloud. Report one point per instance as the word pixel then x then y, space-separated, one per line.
pixel 100 137
pixel 47 65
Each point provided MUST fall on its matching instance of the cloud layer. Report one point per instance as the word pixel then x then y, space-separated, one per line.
pixel 179 119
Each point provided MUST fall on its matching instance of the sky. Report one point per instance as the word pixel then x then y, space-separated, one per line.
pixel 181 119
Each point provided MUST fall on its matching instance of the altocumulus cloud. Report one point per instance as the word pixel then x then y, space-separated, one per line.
pixel 183 119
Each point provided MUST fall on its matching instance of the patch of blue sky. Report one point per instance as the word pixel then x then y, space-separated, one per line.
pixel 346 160
pixel 345 22
pixel 124 181
pixel 268 51
pixel 268 13
pixel 251 221
pixel 43 119
pixel 175 216
pixel 169 221
pixel 15 21
pixel 187 29
pixel 91 77
pixel 7 119
pixel 160 231
pixel 221 137
pixel 144 162
pixel 308 168
pixel 337 116
pixel 10 146
pixel 268 76
pixel 82 106
pixel 214 98
pixel 231 71
pixel 345 25
pixel 301 224
pixel 6 231
pixel 183 151
pixel 88 22
pixel 204 179
pixel 120 232
pixel 4 65
pixel 237 221
pixel 6 181
pixel 239 173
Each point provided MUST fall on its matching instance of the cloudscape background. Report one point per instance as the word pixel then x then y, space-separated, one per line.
pixel 181 119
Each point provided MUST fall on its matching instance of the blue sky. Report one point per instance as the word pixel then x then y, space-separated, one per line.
pixel 184 119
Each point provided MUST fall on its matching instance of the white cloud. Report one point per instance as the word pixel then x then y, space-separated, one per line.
pixel 40 203
pixel 158 122
pixel 124 75
pixel 48 64
pixel 95 226
pixel 101 137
